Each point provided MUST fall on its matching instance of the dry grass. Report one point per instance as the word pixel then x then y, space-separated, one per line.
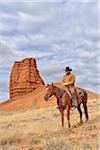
pixel 40 129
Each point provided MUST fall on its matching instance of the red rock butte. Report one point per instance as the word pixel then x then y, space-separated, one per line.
pixel 24 78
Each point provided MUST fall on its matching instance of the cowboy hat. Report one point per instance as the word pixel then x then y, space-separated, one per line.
pixel 68 69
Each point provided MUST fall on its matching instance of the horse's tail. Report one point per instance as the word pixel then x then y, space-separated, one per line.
pixel 85 96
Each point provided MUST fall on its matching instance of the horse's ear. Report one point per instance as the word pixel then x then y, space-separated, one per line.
pixel 52 84
pixel 47 85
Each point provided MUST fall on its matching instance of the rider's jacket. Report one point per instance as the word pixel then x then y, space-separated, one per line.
pixel 69 79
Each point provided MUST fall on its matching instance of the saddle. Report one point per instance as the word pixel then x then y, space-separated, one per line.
pixel 71 91
pixel 70 95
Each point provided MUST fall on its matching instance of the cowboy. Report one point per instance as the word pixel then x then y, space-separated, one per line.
pixel 68 82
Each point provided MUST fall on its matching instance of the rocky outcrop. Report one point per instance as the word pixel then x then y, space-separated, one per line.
pixel 24 77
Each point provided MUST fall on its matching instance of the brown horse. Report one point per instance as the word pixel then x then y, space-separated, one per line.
pixel 64 101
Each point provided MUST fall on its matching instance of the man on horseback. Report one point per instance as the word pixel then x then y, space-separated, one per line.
pixel 68 82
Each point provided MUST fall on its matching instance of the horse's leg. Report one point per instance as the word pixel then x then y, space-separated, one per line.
pixel 79 109
pixel 62 117
pixel 85 111
pixel 68 115
pixel 58 107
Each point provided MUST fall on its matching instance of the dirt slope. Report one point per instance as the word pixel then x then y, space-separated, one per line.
pixel 35 99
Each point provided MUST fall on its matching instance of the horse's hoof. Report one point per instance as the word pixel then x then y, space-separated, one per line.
pixel 86 120
pixel 75 126
pixel 80 123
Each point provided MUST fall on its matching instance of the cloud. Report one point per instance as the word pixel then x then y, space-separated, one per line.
pixel 63 33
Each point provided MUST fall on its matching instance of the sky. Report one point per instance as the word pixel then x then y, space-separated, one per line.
pixel 58 33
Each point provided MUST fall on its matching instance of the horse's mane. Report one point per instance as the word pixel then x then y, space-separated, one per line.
pixel 59 88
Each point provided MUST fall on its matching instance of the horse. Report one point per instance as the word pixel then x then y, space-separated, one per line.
pixel 64 101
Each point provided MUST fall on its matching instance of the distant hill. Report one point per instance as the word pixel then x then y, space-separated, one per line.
pixel 36 99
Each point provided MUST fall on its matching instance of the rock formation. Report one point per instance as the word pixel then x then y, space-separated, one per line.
pixel 24 77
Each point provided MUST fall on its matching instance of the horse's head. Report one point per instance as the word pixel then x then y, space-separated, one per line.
pixel 49 91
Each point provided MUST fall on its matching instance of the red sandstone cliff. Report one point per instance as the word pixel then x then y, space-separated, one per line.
pixel 24 77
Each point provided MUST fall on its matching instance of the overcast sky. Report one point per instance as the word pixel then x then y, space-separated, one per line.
pixel 58 33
